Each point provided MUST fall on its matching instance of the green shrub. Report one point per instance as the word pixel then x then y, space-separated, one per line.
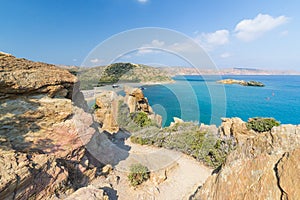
pixel 141 119
pixel 261 124
pixel 138 174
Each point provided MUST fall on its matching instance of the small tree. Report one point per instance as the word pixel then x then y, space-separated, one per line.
pixel 138 174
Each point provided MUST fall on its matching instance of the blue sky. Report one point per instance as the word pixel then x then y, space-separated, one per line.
pixel 255 34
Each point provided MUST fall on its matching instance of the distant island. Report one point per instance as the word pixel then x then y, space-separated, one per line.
pixel 241 82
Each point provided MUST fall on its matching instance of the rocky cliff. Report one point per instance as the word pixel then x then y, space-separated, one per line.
pixel 263 166
pixel 41 151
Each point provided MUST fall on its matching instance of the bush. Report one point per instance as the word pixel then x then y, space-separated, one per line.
pixel 261 124
pixel 138 174
pixel 141 119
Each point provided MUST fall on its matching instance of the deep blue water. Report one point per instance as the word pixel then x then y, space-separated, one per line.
pixel 197 98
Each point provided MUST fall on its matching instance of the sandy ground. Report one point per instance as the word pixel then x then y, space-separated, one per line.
pixel 184 174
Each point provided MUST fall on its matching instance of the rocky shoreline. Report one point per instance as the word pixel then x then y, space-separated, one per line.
pixel 241 82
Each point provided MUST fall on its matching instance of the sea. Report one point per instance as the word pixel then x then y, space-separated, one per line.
pixel 201 99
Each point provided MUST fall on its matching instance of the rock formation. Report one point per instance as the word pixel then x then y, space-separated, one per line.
pixel 41 152
pixel 241 82
pixel 107 107
pixel 263 166
pixel 21 76
pixel 107 111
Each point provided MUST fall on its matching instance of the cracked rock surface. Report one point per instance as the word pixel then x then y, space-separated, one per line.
pixel 264 166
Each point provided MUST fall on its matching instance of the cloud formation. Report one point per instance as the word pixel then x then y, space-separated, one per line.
pixel 250 29
pixel 211 40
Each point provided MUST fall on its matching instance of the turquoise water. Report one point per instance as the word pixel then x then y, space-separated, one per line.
pixel 197 98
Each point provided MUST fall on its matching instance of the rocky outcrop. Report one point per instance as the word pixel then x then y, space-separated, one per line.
pixel 41 141
pixel 108 103
pixel 235 128
pixel 263 166
pixel 136 101
pixel 107 111
pixel 24 77
pixel 176 121
pixel 242 82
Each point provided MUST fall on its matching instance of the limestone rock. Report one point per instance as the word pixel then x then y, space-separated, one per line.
pixel 236 128
pixel 176 121
pixel 264 166
pixel 21 76
pixel 288 171
pixel 41 142
pixel 107 112
pixel 136 101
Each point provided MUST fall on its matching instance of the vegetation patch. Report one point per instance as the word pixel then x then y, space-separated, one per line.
pixel 187 138
pixel 259 124
pixel 133 122
pixel 138 174
pixel 141 119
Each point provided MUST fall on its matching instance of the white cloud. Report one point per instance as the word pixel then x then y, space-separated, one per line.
pixel 211 40
pixel 225 55
pixel 250 29
pixel 219 37
pixel 146 48
pixel 142 1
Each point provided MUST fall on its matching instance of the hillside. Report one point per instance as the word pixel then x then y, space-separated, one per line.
pixel 128 72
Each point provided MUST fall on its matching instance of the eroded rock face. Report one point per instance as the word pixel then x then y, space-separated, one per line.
pixel 107 111
pixel 21 76
pixel 136 101
pixel 41 146
pixel 235 128
pixel 264 166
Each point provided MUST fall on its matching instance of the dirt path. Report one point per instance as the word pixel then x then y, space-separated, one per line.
pixel 184 174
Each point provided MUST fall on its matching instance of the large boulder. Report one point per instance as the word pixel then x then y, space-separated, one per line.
pixel 263 166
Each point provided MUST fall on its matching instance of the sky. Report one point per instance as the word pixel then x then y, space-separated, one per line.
pixel 233 33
